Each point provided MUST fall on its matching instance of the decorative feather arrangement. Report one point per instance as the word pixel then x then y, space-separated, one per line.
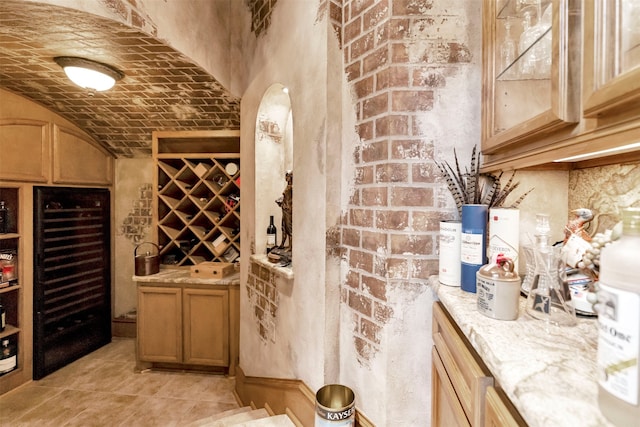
pixel 473 187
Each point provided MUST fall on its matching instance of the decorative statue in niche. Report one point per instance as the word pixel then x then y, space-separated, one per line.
pixel 286 203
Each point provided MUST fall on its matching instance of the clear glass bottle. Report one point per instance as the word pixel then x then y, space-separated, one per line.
pixel 541 242
pixel 549 298
pixel 618 310
pixel 527 50
pixel 508 50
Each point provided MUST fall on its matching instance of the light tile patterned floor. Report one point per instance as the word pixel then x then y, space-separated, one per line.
pixel 102 389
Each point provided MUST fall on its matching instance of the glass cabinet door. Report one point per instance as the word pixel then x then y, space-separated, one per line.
pixel 612 56
pixel 531 69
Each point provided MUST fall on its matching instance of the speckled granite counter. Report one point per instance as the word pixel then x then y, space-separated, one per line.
pixel 549 373
pixel 183 275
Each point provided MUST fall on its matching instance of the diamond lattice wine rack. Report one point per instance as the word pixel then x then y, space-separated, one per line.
pixel 197 196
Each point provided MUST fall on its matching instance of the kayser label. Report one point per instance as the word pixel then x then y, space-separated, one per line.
pixel 335 416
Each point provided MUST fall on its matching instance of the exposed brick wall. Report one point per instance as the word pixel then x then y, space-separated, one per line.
pixel 263 298
pixel 136 224
pixel 130 12
pixel 260 14
pixel 396 56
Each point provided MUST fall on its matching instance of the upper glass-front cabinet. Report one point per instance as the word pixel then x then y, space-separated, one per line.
pixel 531 63
pixel 612 56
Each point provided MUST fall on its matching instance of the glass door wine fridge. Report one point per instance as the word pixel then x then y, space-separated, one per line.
pixel 72 281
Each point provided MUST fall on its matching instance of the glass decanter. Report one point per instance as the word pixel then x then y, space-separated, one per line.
pixel 549 298
pixel 508 50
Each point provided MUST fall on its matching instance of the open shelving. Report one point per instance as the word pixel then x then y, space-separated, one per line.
pixel 11 291
pixel 197 196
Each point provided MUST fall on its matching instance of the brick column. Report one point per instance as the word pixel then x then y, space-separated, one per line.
pixel 396 58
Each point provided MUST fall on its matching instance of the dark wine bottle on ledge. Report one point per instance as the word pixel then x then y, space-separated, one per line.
pixel 271 235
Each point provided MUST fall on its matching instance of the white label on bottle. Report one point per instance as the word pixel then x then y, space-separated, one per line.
pixel 619 323
pixel 471 248
pixel 271 240
pixel 8 364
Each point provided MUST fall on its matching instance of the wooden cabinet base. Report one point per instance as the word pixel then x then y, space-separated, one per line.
pixel 187 327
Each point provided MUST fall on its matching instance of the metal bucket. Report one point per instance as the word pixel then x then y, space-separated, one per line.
pixel 146 264
pixel 335 406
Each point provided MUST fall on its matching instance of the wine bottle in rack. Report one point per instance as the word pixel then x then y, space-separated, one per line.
pixel 3 317
pixel 8 357
pixel 3 217
pixel 271 235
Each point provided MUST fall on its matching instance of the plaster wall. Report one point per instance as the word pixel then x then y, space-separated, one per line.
pixel 298 348
pixel 131 226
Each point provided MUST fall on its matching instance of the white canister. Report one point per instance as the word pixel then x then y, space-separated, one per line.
pixel 498 289
pixel 449 261
pixel 504 233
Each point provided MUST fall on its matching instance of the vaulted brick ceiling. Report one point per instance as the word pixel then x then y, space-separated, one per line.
pixel 162 89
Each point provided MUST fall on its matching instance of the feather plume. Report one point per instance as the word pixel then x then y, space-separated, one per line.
pixel 475 187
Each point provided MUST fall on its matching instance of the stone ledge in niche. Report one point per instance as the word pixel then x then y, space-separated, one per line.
pixel 276 272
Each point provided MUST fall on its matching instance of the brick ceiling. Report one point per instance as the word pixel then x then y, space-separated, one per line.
pixel 162 89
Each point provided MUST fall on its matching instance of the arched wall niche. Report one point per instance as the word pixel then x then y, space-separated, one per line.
pixel 274 156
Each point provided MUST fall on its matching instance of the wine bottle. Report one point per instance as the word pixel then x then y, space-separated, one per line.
pixel 3 217
pixel 8 357
pixel 3 317
pixel 271 235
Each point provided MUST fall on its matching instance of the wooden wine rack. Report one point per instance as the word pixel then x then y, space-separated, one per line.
pixel 197 196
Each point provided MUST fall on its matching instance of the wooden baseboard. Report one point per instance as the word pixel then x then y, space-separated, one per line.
pixel 283 396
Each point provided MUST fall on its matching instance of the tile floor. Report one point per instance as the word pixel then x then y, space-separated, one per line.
pixel 102 389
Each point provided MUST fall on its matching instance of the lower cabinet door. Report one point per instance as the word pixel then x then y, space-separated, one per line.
pixel 206 327
pixel 446 410
pixel 499 411
pixel 159 324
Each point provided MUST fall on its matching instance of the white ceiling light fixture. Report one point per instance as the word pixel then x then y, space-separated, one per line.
pixel 91 75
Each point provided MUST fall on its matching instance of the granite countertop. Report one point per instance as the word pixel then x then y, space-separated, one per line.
pixel 548 372
pixel 183 275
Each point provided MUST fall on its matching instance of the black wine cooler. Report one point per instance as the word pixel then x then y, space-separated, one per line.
pixel 72 280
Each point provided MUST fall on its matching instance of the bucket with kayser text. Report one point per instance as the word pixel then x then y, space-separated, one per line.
pixel 335 406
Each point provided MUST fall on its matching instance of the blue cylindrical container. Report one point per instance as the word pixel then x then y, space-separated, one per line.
pixel 473 244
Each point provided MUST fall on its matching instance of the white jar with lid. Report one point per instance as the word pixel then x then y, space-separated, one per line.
pixel 498 289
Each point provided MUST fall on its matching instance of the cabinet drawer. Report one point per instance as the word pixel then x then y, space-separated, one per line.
pixel 467 374
pixel 499 411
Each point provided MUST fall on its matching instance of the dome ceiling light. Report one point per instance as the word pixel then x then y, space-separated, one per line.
pixel 91 75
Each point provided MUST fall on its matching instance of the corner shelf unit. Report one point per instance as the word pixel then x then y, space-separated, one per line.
pixel 197 196
pixel 12 291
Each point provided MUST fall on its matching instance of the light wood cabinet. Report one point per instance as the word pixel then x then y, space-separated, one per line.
pixel 499 411
pixel 197 196
pixel 185 325
pixel 611 57
pixel 461 379
pixel 446 409
pixel 531 69
pixel 159 324
pixel 12 289
pixel 206 327
pixel 580 106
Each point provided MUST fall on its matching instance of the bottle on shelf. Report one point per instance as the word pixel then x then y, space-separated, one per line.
pixel 3 217
pixel 529 53
pixel 271 235
pixel 618 310
pixel 507 50
pixel 3 317
pixel 8 357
